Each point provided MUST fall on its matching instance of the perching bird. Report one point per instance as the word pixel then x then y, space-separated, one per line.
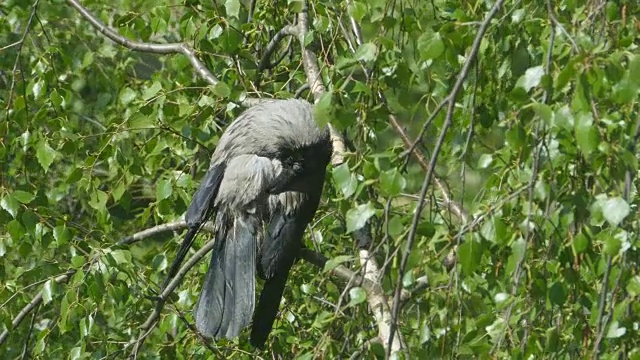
pixel 264 186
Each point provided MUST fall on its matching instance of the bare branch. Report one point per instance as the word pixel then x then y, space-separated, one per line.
pixel 272 45
pixel 425 185
pixel 300 90
pixel 379 304
pixel 376 299
pixel 172 226
pixel 26 349
pixel 556 24
pixel 169 48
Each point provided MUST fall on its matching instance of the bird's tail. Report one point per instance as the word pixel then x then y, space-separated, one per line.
pixel 267 309
pixel 227 299
pixel 279 250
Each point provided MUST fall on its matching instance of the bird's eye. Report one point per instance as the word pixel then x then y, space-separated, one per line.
pixel 297 167
pixel 289 160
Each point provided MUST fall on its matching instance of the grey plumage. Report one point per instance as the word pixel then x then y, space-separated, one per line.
pixel 264 185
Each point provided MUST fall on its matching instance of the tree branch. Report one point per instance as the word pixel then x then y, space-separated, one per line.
pixel 170 48
pixel 272 45
pixel 341 272
pixel 451 205
pixel 425 185
pixel 32 305
pixel 149 324
pixel 375 296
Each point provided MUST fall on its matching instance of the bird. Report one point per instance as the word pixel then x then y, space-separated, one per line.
pixel 262 188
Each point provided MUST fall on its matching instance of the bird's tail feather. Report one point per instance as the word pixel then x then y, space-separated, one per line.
pixel 267 309
pixel 227 299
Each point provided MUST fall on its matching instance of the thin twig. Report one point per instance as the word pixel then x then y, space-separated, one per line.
pixel 602 320
pixel 149 324
pixel 377 302
pixel 25 349
pixel 601 307
pixel 555 23
pixel 20 44
pixel 169 48
pixel 271 47
pixel 300 90
pixel 448 121
pixel 172 226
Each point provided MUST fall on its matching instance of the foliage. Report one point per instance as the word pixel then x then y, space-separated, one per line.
pixel 99 142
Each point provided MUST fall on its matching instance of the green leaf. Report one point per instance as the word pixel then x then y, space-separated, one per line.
pixel 98 200
pixel 77 261
pixel 615 330
pixel 127 95
pixel 345 179
pixel 484 161
pixel 425 333
pixel 15 229
pixel 634 69
pixel 23 196
pixel 357 217
pixel 612 245
pixel 633 288
pixel 47 291
pixel 10 204
pixel 164 189
pixel 295 6
pixel 395 226
pixel 222 90
pixel 333 263
pixel 551 340
pixel 45 155
pixel 469 255
pixel 518 250
pixel 141 121
pixel 56 99
pixel 206 101
pixel 151 91
pixel 557 294
pixel 531 78
pixel 615 210
pixel 357 295
pixel 586 133
pixel 488 231
pixel 544 111
pixel 323 110
pixel 367 52
pixel 430 46
pixel 232 7
pixel 19 103
pixel 62 234
pixel 357 10
pixel 392 182
pixel 580 243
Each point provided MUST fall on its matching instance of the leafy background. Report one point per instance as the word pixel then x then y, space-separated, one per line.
pixel 100 142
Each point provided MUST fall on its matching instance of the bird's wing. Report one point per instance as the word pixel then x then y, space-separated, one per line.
pixel 227 299
pixel 198 213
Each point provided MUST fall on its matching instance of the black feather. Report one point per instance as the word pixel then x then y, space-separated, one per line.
pixel 227 299
pixel 267 309
pixel 198 213
pixel 202 203
pixel 280 248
